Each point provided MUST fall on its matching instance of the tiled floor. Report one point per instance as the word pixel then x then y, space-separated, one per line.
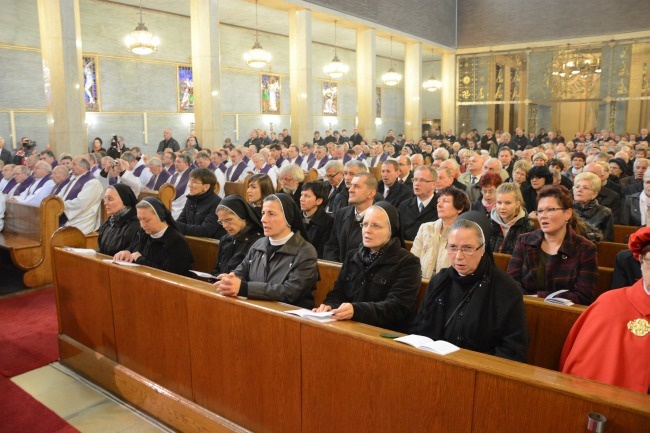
pixel 84 407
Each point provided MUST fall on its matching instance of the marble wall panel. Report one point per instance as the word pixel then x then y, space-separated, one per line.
pixel 21 86
pixel 19 23
pixel 241 92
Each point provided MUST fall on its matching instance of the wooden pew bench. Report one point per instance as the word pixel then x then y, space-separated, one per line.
pixel 26 235
pixel 622 233
pixel 200 362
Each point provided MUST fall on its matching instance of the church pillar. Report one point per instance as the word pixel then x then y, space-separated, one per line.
pixel 302 129
pixel 60 29
pixel 448 93
pixel 206 75
pixel 366 91
pixel 412 87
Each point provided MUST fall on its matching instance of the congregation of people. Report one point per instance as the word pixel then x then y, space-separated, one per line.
pixel 544 199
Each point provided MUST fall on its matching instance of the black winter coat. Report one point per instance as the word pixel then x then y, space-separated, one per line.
pixel 319 230
pixel 385 293
pixel 199 218
pixel 500 245
pixel 599 217
pixel 117 232
pixel 492 321
pixel 169 253
pixel 345 238
pixel 233 249
pixel 411 219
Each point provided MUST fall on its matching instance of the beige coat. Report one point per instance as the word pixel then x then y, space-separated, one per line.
pixel 429 246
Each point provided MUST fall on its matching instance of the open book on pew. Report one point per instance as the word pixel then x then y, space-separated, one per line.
pixel 322 317
pixel 440 347
pixel 203 274
pixel 84 251
pixel 553 299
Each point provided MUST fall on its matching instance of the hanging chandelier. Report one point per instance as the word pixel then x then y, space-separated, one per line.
pixel 141 41
pixel 432 84
pixel 391 77
pixel 257 57
pixel 336 69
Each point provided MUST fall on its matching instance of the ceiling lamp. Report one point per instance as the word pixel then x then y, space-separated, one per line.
pixel 391 78
pixel 141 41
pixel 432 84
pixel 257 57
pixel 336 69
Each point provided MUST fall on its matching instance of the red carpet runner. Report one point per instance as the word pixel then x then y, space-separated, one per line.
pixel 28 330
pixel 20 412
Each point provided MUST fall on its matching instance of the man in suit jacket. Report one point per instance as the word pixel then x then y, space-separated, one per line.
pixel 423 207
pixel 405 173
pixel 637 205
pixel 346 236
pixel 393 191
pixel 633 184
pixel 334 176
pixel 317 222
pixel 5 155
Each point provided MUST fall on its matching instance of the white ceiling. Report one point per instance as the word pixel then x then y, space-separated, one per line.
pixel 273 18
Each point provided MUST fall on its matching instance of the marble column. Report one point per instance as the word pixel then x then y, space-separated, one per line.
pixel 448 93
pixel 204 22
pixel 300 70
pixel 412 89
pixel 60 30
pixel 366 70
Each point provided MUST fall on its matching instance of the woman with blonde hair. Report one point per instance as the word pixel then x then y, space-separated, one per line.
pixel 509 219
pixel 520 172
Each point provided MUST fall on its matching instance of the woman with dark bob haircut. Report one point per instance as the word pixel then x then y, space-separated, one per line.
pixel 556 256
pixel 429 243
pixel 538 176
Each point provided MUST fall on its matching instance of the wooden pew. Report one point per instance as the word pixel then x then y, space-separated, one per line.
pixel 200 362
pixel 376 171
pixel 607 253
pixel 622 233
pixel 311 175
pixel 204 252
pixel 27 234
pixel 165 193
pixel 238 188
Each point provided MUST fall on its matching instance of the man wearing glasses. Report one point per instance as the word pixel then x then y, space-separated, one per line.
pixel 199 217
pixel 421 208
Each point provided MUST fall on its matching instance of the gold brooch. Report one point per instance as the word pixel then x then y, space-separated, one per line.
pixel 639 327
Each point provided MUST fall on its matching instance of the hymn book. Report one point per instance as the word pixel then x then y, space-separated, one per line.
pixel 323 317
pixel 553 299
pixel 440 347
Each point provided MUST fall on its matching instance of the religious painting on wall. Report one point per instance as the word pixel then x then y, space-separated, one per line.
pixel 378 101
pixel 270 94
pixel 91 97
pixel 330 98
pixel 185 89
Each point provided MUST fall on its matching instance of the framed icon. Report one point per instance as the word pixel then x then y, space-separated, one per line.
pixel 270 94
pixel 91 96
pixel 185 89
pixel 330 98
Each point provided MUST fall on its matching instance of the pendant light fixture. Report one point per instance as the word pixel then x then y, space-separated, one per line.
pixel 257 57
pixel 141 41
pixel 432 84
pixel 336 69
pixel 391 78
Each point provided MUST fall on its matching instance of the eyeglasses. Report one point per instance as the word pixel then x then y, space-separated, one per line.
pixel 330 176
pixel 365 225
pixel 488 191
pixel 195 182
pixel 466 251
pixel 286 179
pixel 541 212
pixel 227 221
pixel 418 180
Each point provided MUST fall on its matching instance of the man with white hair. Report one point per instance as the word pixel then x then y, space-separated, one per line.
pixel 260 165
pixel 158 174
pixel 454 170
pixel 493 165
pixel 168 142
pixel 82 198
pixel 417 161
pixel 23 181
pixel 40 188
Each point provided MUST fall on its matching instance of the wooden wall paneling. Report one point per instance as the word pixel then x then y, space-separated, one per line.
pixel 356 384
pixel 548 326
pixel 245 363
pixel 536 405
pixel 204 252
pixel 84 301
pixel 151 326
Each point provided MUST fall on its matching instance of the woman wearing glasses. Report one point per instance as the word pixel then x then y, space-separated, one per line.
pixel 243 228
pixel 429 243
pixel 489 183
pixel 380 281
pixel 473 304
pixel 586 187
pixel 198 216
pixel 555 257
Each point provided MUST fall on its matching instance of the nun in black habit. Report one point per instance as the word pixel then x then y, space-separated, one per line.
pixel 282 266
pixel 158 243
pixel 380 281
pixel 243 228
pixel 474 304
